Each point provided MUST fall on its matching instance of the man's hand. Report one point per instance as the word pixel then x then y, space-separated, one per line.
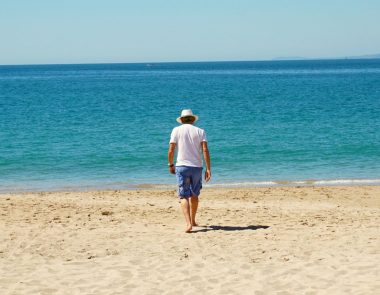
pixel 207 175
pixel 206 155
pixel 172 169
pixel 171 157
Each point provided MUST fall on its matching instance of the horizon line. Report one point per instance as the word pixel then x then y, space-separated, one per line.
pixel 275 59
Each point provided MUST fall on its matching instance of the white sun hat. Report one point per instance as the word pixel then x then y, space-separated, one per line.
pixel 187 113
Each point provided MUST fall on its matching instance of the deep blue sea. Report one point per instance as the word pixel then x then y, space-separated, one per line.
pixel 108 125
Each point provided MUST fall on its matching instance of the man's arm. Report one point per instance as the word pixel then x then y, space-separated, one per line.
pixel 206 155
pixel 171 158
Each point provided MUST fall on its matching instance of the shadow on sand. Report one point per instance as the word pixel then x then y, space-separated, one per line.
pixel 230 228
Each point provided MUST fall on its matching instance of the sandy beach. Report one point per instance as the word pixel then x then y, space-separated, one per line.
pixel 288 240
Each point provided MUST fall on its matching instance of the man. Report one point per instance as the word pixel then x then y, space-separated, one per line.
pixel 190 142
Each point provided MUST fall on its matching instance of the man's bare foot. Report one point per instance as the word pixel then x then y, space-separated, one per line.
pixel 188 229
pixel 194 224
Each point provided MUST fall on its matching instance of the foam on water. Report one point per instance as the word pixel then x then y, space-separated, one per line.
pixel 336 182
pixel 349 182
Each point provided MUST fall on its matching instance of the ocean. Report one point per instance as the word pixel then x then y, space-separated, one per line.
pixel 107 126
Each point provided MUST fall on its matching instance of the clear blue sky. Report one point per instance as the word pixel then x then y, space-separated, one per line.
pixel 86 31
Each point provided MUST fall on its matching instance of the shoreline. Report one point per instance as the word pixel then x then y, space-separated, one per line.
pixel 315 240
pixel 212 185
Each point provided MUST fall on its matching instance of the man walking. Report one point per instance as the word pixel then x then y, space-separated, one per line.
pixel 190 142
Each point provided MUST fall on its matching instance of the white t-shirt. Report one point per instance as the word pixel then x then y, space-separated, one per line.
pixel 189 140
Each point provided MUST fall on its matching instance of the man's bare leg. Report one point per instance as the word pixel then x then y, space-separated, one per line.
pixel 193 209
pixel 186 212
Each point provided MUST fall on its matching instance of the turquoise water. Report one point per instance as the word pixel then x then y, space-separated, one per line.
pixel 108 125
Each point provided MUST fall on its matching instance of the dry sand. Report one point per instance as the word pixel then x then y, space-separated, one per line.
pixel 290 240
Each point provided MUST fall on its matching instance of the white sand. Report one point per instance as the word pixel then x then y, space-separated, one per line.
pixel 308 240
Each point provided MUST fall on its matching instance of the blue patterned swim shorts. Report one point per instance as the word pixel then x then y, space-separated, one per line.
pixel 189 181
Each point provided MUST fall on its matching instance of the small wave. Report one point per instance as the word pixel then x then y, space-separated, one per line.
pixel 327 182
pixel 244 184
pixel 348 182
